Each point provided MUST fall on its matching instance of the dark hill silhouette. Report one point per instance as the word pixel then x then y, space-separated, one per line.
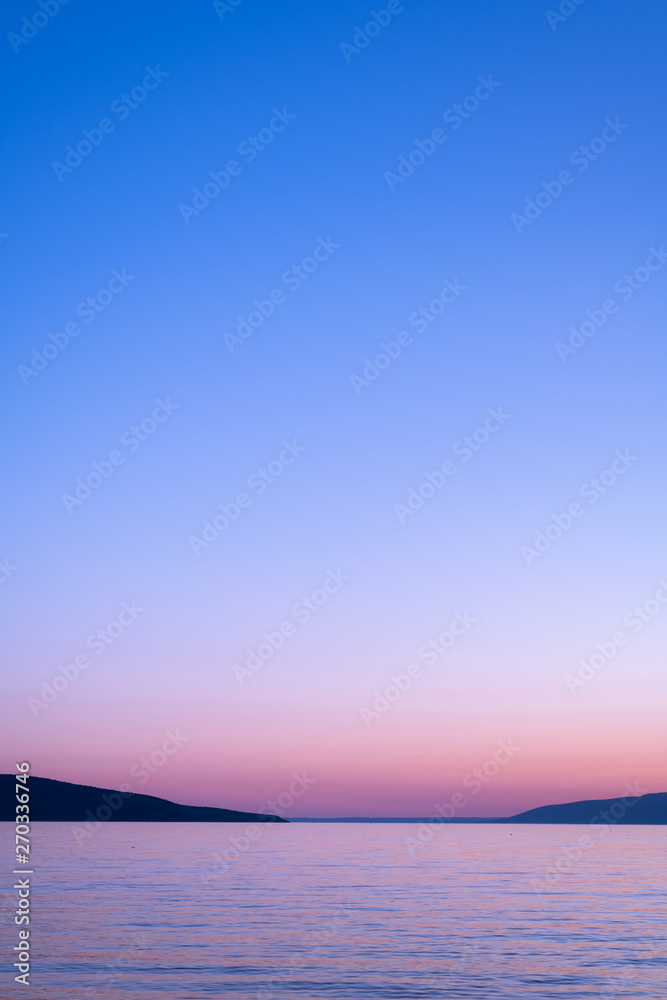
pixel 648 809
pixel 52 800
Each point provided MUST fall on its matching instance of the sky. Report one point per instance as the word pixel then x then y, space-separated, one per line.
pixel 332 384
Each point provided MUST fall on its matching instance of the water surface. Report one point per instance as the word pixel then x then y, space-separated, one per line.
pixel 195 911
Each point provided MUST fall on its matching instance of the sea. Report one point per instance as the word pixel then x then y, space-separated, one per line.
pixel 342 911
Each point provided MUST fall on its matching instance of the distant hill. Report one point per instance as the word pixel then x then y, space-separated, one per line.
pixel 644 810
pixel 52 800
pixel 648 809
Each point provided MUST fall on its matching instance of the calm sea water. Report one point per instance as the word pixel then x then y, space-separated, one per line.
pixel 337 911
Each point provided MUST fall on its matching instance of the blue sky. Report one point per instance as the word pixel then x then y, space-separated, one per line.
pixel 322 182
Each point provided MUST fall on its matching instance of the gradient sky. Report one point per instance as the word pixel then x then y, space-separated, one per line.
pixel 333 508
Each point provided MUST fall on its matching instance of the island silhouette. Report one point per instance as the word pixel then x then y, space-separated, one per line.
pixel 63 801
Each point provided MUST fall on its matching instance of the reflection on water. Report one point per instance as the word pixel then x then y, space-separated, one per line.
pixel 345 911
